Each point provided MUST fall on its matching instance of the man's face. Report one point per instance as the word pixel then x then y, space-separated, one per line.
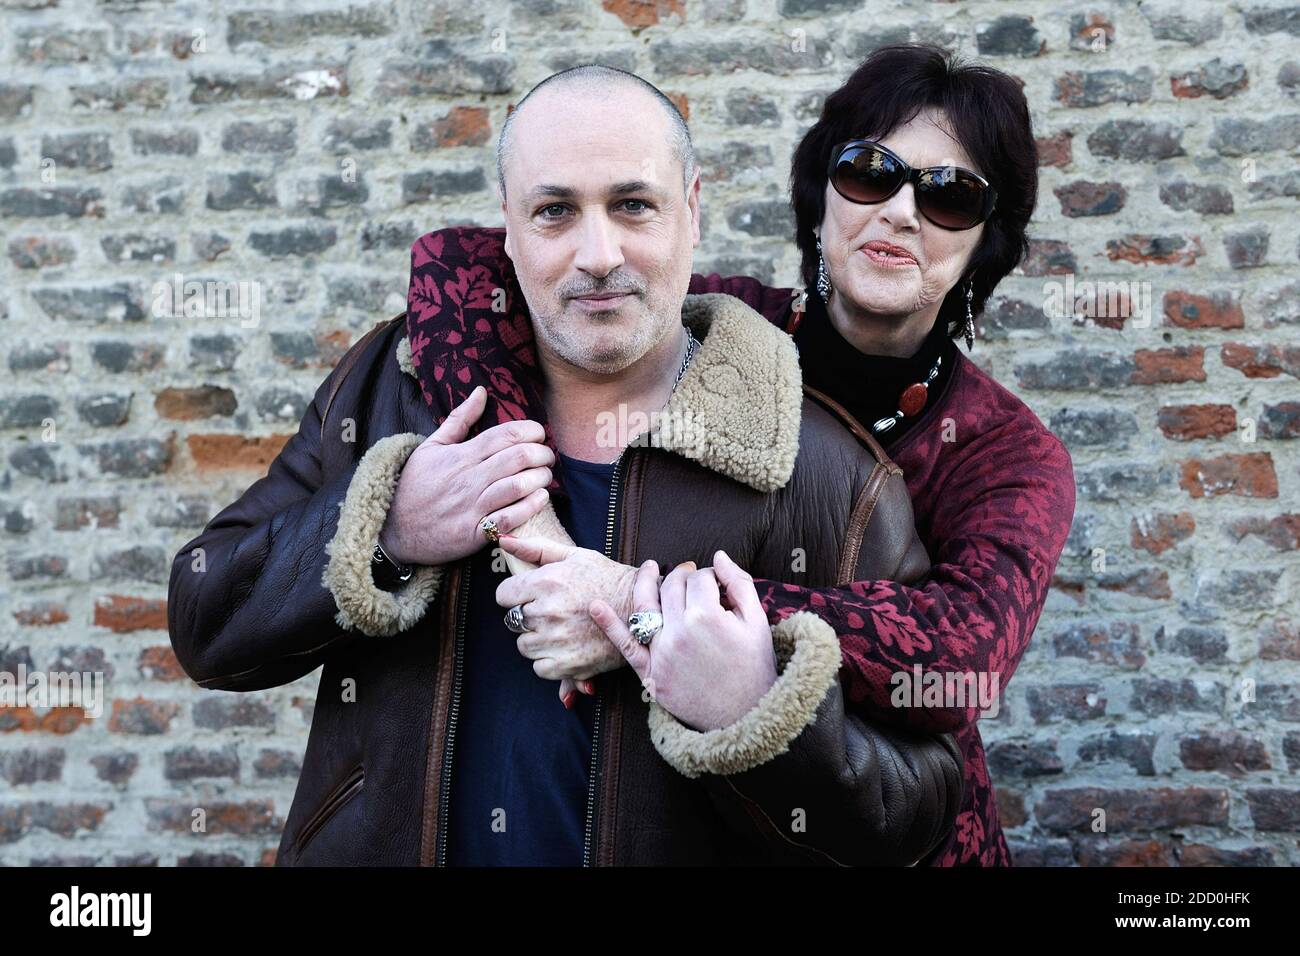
pixel 597 224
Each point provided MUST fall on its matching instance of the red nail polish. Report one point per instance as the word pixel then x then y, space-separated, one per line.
pixel 568 701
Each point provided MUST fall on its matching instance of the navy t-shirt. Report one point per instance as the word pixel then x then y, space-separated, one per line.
pixel 520 761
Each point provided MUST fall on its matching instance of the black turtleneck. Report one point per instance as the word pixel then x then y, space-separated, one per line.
pixel 869 385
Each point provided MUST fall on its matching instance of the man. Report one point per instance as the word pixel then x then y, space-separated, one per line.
pixel 434 739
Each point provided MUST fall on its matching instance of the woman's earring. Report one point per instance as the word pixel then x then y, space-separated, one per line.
pixel 823 280
pixel 969 330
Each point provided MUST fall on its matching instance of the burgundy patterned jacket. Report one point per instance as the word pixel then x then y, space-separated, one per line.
pixel 993 505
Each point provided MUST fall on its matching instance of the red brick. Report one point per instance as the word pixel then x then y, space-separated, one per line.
pixel 41 614
pixel 1132 809
pixel 1146 250
pixel 1147 582
pixel 1281 642
pixel 639 14
pixel 1086 35
pixel 1247 476
pixel 1219 310
pixel 463 126
pixel 1261 361
pixel 1160 532
pixel 214 452
pixel 1162 366
pixel 1224 751
pixel 122 613
pixel 1282 531
pixel 1188 422
pixel 1011 807
pixel 1274 808
pixel 1198 854
pixel 681 102
pixel 188 404
pixel 252 817
pixel 160 663
pixel 1126 853
pixel 140 716
pixel 56 720
pixel 1055 150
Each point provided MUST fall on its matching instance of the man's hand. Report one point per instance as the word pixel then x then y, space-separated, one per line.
pixel 449 485
pixel 710 664
pixel 562 641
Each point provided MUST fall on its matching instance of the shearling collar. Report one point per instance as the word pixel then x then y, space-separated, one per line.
pixel 737 409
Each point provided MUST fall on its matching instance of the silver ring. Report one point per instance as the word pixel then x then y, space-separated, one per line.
pixel 515 619
pixel 644 625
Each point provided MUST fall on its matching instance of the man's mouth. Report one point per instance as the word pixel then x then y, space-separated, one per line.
pixel 601 301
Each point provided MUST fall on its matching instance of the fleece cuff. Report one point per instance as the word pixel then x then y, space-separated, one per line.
pixel 362 512
pixel 808 662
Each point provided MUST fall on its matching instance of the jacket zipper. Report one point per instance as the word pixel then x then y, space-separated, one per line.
pixel 588 843
pixel 440 858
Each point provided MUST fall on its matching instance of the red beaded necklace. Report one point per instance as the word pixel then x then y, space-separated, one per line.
pixel 910 400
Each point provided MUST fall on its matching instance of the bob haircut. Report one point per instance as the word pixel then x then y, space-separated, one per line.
pixel 987 111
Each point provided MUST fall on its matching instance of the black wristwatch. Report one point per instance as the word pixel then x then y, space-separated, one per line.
pixel 387 572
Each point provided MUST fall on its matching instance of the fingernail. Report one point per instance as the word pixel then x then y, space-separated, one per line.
pixel 568 701
pixel 590 687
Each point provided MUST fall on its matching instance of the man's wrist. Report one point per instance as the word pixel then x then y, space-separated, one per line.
pixel 388 572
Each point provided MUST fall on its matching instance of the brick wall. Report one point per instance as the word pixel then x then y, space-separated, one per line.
pixel 301 147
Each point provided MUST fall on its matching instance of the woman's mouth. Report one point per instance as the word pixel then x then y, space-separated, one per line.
pixel 883 254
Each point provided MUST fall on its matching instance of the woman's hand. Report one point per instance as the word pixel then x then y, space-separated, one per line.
pixel 711 663
pixel 449 485
pixel 562 640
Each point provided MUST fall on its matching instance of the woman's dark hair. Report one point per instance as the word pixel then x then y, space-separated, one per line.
pixel 990 117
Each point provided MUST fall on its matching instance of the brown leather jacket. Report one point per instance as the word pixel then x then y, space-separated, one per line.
pixel 761 469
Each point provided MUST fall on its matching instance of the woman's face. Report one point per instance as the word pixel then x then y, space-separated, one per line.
pixel 893 286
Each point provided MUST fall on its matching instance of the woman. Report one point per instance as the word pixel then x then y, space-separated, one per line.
pixel 892 278
pixel 912 194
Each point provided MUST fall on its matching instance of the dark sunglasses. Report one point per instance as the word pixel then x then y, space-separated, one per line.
pixel 865 172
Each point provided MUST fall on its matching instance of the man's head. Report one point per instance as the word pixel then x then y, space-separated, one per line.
pixel 601 201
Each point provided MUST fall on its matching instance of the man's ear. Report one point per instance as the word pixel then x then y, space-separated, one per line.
pixel 693 203
pixel 505 217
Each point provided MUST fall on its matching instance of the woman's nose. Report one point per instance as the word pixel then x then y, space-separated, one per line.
pixel 900 209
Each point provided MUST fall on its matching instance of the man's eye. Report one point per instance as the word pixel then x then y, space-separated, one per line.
pixel 556 208
pixel 639 204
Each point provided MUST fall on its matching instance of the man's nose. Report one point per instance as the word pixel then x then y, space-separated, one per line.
pixel 599 249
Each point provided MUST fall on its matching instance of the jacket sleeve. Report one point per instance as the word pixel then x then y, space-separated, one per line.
pixel 282 575
pixel 994 543
pixel 810 782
